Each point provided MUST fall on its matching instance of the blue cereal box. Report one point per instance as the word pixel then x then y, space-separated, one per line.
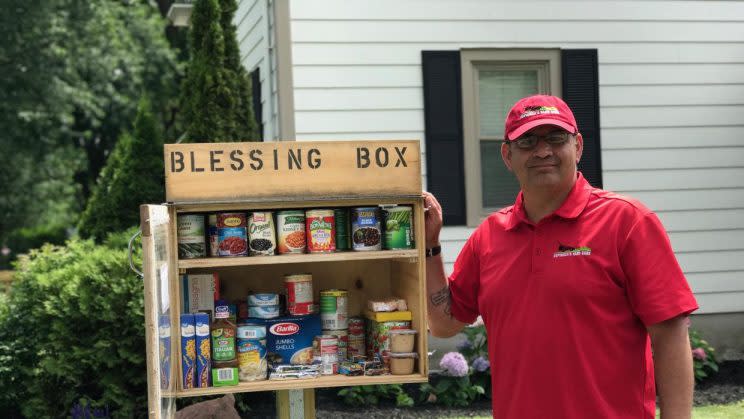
pixel 289 339
pixel 188 350
pixel 203 350
pixel 164 350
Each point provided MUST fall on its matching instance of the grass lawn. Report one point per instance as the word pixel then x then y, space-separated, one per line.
pixel 723 411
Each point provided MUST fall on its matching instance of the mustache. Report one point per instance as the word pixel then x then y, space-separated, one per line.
pixel 536 161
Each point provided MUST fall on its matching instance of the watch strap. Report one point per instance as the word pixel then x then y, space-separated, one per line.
pixel 433 251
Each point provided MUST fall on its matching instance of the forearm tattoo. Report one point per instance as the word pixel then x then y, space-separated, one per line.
pixel 442 297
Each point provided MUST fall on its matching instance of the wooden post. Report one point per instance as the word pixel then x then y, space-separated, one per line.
pixel 295 404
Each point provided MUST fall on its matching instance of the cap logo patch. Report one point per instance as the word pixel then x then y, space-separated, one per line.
pixel 538 110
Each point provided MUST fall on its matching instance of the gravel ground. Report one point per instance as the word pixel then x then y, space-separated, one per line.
pixel 723 388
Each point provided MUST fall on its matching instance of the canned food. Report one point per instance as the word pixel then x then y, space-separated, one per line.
pixel 343 342
pixel 398 228
pixel 333 309
pixel 252 364
pixel 214 249
pixel 356 346
pixel 251 331
pixel 263 299
pixel 325 351
pixel 356 326
pixel 232 237
pixel 299 294
pixel 320 231
pixel 261 233
pixel 264 312
pixel 291 231
pixel 191 240
pixel 365 228
pixel 341 218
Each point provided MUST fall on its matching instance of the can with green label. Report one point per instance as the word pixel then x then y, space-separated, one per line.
pixel 341 216
pixel 334 309
pixel 398 227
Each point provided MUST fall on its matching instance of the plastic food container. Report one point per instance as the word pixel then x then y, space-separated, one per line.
pixel 402 363
pixel 402 340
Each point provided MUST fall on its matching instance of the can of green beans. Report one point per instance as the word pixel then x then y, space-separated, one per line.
pixel 398 227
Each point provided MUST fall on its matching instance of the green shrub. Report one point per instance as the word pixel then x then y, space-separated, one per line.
pixel 22 240
pixel 372 395
pixel 73 332
pixel 703 356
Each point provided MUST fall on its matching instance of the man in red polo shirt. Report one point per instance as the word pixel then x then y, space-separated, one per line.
pixel 575 286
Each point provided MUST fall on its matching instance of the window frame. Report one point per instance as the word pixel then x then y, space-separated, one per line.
pixel 472 61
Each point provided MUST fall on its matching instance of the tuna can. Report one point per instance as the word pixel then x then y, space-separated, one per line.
pixel 252 364
pixel 191 240
pixel 264 312
pixel 341 218
pixel 261 238
pixel 251 331
pixel 356 346
pixel 214 250
pixel 343 342
pixel 325 350
pixel 398 228
pixel 291 232
pixel 356 326
pixel 365 228
pixel 263 299
pixel 333 309
pixel 299 294
pixel 232 236
pixel 320 231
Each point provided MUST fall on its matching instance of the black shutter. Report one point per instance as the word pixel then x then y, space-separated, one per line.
pixel 444 137
pixel 581 93
pixel 257 108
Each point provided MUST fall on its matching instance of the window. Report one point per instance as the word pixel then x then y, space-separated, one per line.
pixel 492 81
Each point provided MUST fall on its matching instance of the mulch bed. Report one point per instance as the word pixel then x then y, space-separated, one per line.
pixel 727 386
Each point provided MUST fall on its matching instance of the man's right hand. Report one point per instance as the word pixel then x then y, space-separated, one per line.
pixel 433 220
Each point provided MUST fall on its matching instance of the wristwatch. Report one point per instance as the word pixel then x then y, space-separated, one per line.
pixel 434 251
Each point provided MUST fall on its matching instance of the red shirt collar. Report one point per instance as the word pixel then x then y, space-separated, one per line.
pixel 571 208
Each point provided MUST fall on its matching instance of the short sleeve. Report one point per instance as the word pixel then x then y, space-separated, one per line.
pixel 657 288
pixel 464 283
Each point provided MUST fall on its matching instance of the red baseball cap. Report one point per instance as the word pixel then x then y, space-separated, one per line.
pixel 537 110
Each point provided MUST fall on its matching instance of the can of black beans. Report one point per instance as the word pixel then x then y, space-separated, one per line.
pixel 366 233
pixel 261 237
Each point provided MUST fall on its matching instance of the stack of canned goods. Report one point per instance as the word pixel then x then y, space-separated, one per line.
pixel 264 306
pixel 295 231
pixel 334 321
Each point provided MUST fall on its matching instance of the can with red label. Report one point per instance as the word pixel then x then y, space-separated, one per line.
pixel 356 344
pixel 320 231
pixel 325 351
pixel 299 294
pixel 343 342
pixel 232 235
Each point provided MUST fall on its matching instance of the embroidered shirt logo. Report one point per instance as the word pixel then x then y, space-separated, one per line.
pixel 538 110
pixel 565 251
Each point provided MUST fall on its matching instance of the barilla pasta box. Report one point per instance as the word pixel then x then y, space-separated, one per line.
pixel 200 291
pixel 164 350
pixel 188 351
pixel 289 339
pixel 203 350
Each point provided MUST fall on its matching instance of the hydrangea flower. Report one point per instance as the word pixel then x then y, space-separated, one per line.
pixel 481 364
pixel 699 353
pixel 464 345
pixel 454 364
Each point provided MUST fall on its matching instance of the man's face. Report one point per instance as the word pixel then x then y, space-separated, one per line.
pixel 544 165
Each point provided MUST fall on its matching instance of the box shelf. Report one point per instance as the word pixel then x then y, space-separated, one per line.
pixel 411 254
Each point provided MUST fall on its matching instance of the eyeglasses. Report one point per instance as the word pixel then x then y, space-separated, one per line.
pixel 553 139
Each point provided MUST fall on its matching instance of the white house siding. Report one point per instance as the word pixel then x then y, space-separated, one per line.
pixel 671 98
pixel 255 30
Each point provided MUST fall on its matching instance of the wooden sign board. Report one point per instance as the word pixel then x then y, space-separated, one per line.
pixel 223 172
